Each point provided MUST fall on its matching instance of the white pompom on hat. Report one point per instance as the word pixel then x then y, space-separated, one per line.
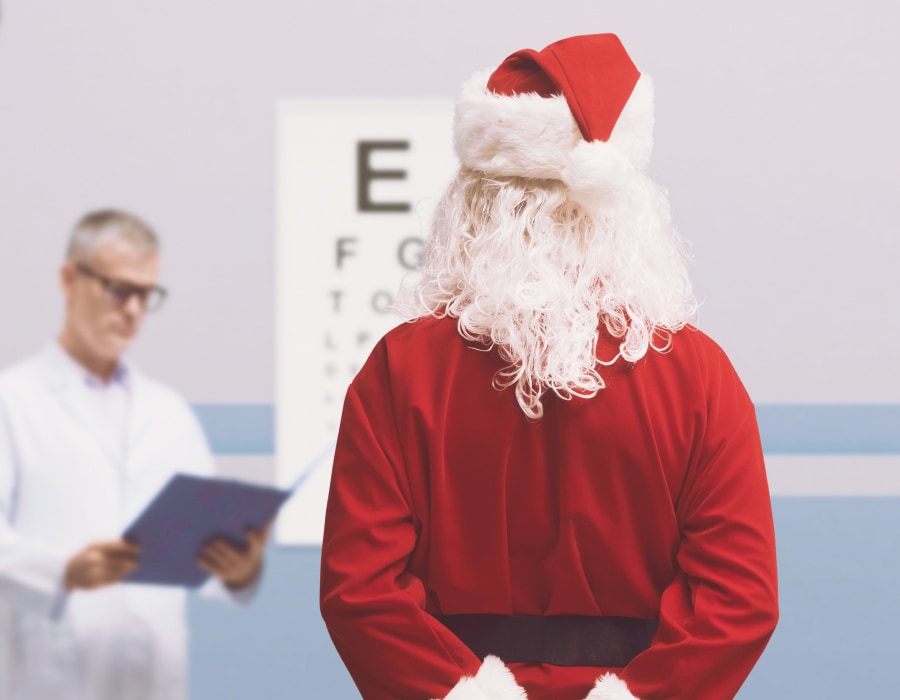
pixel 578 111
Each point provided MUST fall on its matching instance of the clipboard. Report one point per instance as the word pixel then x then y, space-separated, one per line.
pixel 186 514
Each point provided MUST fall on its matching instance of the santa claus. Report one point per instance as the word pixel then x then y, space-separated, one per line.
pixel 547 483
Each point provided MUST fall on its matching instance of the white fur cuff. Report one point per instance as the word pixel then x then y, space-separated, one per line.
pixel 610 687
pixel 494 681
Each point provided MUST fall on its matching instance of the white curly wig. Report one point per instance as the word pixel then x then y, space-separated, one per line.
pixel 545 240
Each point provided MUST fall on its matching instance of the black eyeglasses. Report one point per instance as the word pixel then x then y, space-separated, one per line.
pixel 119 291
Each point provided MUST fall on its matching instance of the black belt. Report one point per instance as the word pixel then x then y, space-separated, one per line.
pixel 561 640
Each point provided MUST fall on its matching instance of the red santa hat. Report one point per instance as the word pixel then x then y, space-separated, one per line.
pixel 578 111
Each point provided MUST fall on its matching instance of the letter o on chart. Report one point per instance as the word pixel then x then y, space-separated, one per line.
pixel 381 302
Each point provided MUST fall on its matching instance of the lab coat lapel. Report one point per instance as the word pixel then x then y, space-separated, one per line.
pixel 139 418
pixel 73 397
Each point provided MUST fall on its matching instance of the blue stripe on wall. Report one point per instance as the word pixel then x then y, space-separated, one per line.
pixel 830 429
pixel 863 429
pixel 238 429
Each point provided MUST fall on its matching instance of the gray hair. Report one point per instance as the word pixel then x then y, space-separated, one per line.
pixel 97 227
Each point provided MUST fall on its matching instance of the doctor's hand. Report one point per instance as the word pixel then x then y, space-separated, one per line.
pixel 236 567
pixel 101 564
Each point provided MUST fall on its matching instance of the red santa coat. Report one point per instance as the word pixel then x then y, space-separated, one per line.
pixel 648 501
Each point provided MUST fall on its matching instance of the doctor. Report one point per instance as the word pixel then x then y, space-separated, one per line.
pixel 86 440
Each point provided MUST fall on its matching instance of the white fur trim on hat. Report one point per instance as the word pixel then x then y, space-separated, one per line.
pixel 610 687
pixel 596 173
pixel 494 681
pixel 537 137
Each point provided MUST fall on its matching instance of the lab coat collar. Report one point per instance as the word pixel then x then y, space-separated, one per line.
pixel 62 370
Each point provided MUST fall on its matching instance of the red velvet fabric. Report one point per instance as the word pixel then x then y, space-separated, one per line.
pixel 649 500
pixel 593 72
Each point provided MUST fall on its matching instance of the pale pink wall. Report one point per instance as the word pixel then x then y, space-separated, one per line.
pixel 776 137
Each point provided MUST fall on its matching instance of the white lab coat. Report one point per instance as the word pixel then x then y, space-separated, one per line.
pixel 64 483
